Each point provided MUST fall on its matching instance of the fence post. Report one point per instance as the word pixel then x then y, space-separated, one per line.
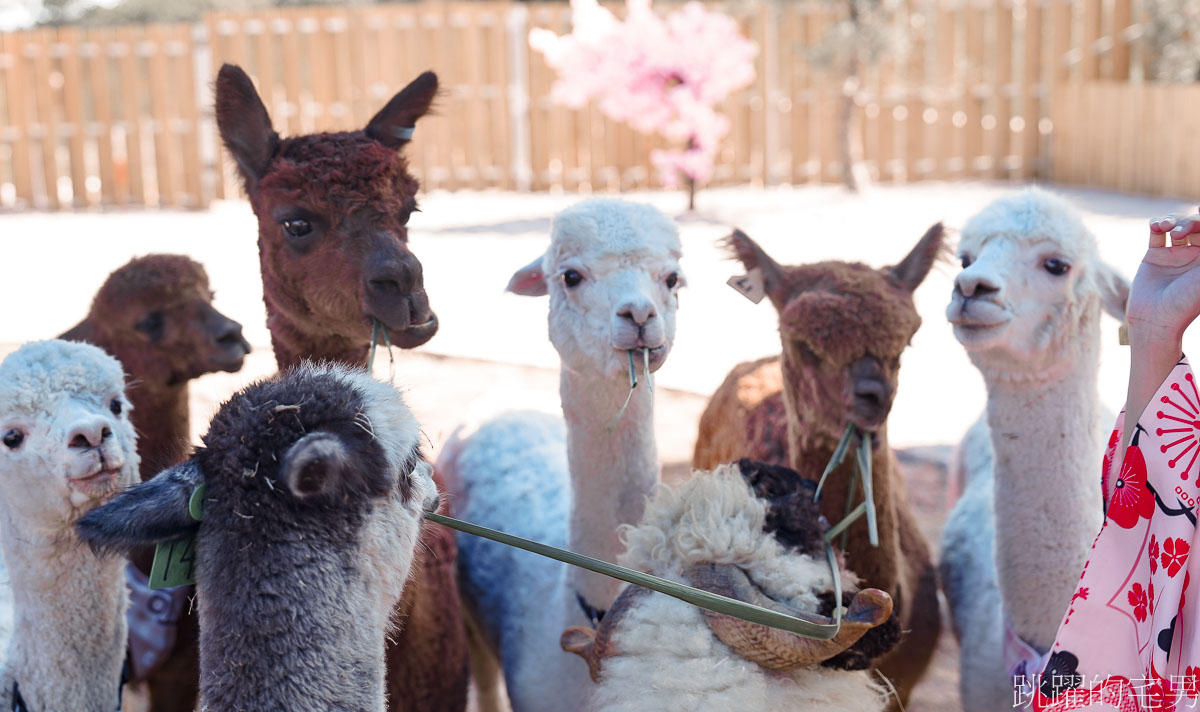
pixel 517 22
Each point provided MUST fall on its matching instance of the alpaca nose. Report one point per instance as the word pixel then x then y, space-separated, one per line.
pixel 870 393
pixel 974 284
pixel 229 335
pixel 638 313
pixel 89 435
pixel 392 276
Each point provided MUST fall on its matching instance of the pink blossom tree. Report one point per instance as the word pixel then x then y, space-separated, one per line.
pixel 659 75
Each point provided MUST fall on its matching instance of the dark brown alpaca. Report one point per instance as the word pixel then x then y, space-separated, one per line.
pixel 843 327
pixel 155 316
pixel 332 212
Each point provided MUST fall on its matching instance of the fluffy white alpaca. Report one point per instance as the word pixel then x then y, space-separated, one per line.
pixel 612 273
pixel 66 446
pixel 1026 306
pixel 751 531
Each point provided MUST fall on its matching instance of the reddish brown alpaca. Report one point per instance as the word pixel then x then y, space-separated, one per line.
pixel 332 212
pixel 843 328
pixel 155 316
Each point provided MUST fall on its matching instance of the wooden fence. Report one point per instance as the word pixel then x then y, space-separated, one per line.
pixel 1002 89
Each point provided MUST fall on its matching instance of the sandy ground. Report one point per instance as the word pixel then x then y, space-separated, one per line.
pixel 492 351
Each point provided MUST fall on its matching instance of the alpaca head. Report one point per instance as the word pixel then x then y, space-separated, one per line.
pixel 843 327
pixel 66 443
pixel 333 210
pixel 315 487
pixel 156 314
pixel 612 273
pixel 1032 279
pixel 753 532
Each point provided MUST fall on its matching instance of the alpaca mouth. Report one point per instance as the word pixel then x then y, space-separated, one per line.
pixel 656 358
pixel 973 333
pixel 413 335
pixel 99 482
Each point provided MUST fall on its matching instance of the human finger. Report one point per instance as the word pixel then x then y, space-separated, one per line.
pixel 1163 224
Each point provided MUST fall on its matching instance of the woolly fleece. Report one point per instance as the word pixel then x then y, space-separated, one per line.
pixel 667 659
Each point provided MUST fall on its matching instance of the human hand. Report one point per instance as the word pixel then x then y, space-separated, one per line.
pixel 1165 296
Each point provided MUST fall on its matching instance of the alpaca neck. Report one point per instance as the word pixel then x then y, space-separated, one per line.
pixel 1047 448
pixel 68 640
pixel 160 414
pixel 612 471
pixel 875 566
pixel 292 344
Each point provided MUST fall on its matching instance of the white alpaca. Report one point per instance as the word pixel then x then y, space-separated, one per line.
pixel 726 531
pixel 612 273
pixel 1027 309
pixel 66 446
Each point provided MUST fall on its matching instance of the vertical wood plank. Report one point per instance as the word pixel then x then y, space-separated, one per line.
pixel 159 92
pixel 974 87
pixel 98 75
pixel 19 103
pixel 40 42
pixel 189 115
pixel 1090 68
pixel 69 42
pixel 1122 18
pixel 1003 92
pixel 1030 142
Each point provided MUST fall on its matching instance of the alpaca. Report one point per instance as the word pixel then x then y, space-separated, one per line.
pixel 315 490
pixel 68 446
pixel 155 315
pixel 751 531
pixel 332 212
pixel 843 327
pixel 1026 307
pixel 612 274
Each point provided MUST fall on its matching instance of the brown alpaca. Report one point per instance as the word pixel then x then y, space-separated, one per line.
pixel 332 212
pixel 843 328
pixel 155 316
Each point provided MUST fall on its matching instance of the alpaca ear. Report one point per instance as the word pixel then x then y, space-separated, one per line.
pixel 753 257
pixel 148 513
pixel 320 465
pixel 914 268
pixel 393 125
pixel 244 124
pixel 529 281
pixel 1114 291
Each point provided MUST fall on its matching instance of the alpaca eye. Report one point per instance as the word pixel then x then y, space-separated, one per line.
pixel 297 227
pixel 152 325
pixel 572 278
pixel 115 406
pixel 966 261
pixel 13 439
pixel 1056 266
pixel 672 280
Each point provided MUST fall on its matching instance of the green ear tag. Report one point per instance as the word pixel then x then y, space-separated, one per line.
pixel 174 561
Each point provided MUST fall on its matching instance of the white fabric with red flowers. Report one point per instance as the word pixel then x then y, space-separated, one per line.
pixel 1130 640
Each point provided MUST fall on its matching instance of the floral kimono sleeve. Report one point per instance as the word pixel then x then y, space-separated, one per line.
pixel 1130 640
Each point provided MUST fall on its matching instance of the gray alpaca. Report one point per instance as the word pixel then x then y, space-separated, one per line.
pixel 315 490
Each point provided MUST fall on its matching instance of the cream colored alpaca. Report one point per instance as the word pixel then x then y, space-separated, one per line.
pixel 1026 306
pixel 66 446
pixel 611 273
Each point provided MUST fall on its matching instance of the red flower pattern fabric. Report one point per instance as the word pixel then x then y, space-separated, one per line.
pixel 1174 554
pixel 1131 640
